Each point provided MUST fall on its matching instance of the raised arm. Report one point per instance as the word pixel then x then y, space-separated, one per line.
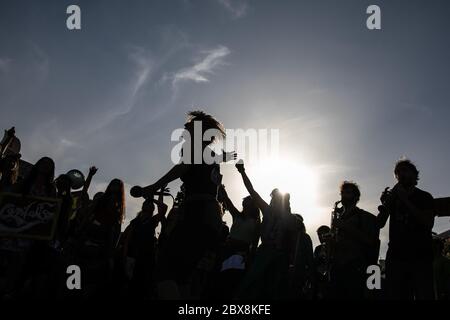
pixel 260 203
pixel 228 203
pixel 87 183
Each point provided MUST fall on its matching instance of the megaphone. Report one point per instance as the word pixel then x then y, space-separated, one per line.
pixel 77 178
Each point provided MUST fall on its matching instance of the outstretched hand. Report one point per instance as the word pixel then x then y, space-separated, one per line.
pixel 160 193
pixel 229 156
pixel 240 166
pixel 386 197
pixel 93 170
pixel 165 190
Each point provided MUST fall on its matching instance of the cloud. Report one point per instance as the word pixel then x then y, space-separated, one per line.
pixel 144 65
pixel 200 70
pixel 237 8
pixel 143 68
pixel 50 138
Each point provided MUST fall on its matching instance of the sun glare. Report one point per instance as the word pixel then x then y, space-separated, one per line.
pixel 299 180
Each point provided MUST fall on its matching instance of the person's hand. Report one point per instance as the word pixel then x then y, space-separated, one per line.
pixel 165 189
pixel 93 170
pixel 162 192
pixel 229 156
pixel 385 196
pixel 240 166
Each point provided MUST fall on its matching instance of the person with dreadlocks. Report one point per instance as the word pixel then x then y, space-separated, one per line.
pixel 200 227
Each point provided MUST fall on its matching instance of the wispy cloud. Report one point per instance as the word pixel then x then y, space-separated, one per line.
pixel 237 8
pixel 199 71
pixel 144 82
pixel 143 68
pixel 50 138
pixel 144 65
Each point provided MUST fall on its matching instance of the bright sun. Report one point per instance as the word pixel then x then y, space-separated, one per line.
pixel 299 180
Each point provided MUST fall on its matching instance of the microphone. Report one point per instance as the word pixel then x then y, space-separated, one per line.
pixel 138 192
pixel 164 193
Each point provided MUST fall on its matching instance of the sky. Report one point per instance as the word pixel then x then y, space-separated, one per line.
pixel 348 102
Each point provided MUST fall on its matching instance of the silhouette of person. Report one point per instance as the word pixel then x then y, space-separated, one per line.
pixel 409 270
pixel 40 180
pixel 81 204
pixel 29 257
pixel 141 245
pixel 356 245
pixel 98 238
pixel 321 266
pixel 302 268
pixel 268 275
pixel 35 277
pixel 240 246
pixel 441 270
pixel 63 187
pixel 245 229
pixel 202 214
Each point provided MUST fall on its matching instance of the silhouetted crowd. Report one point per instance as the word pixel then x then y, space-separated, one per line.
pixel 265 254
